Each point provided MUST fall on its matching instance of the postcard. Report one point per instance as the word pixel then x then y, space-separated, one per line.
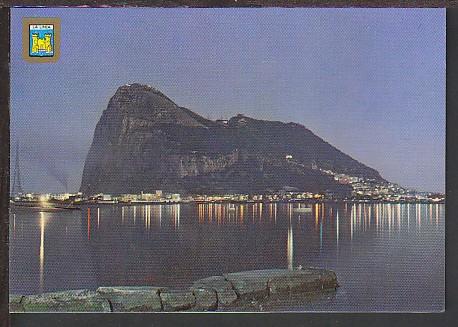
pixel 227 160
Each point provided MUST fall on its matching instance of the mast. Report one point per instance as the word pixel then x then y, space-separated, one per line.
pixel 17 185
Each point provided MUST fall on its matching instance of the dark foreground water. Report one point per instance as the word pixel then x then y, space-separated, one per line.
pixel 388 257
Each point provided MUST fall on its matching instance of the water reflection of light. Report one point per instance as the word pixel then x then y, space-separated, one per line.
pixel 144 215
pixel 317 208
pixel 218 213
pixel 337 228
pixel 358 216
pixel 199 213
pixel 352 220
pixel 135 213
pixel 370 216
pixel 437 215
pixel 362 218
pixel 275 213
pixel 418 215
pixel 321 235
pixel 377 210
pixel 389 218
pixel 88 223
pixel 157 213
pixel 290 241
pixel 148 216
pixel 98 217
pixel 176 215
pixel 408 218
pixel 14 224
pixel 322 211
pixel 42 249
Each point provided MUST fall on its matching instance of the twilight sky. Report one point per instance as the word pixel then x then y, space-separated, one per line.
pixel 369 81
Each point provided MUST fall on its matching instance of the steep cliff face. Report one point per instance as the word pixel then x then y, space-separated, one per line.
pixel 144 142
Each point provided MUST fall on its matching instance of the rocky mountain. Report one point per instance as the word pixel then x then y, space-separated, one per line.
pixel 144 141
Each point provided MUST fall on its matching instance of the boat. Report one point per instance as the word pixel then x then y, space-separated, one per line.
pixel 36 206
pixel 107 201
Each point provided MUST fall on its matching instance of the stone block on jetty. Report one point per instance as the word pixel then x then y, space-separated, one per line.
pixel 15 303
pixel 328 278
pixel 177 300
pixel 66 301
pixel 250 285
pixel 258 284
pixel 133 298
pixel 301 280
pixel 223 288
pixel 206 299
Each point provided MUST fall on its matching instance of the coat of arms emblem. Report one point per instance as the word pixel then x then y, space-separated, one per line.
pixel 41 40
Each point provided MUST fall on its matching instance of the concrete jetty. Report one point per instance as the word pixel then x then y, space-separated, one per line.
pixel 231 290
